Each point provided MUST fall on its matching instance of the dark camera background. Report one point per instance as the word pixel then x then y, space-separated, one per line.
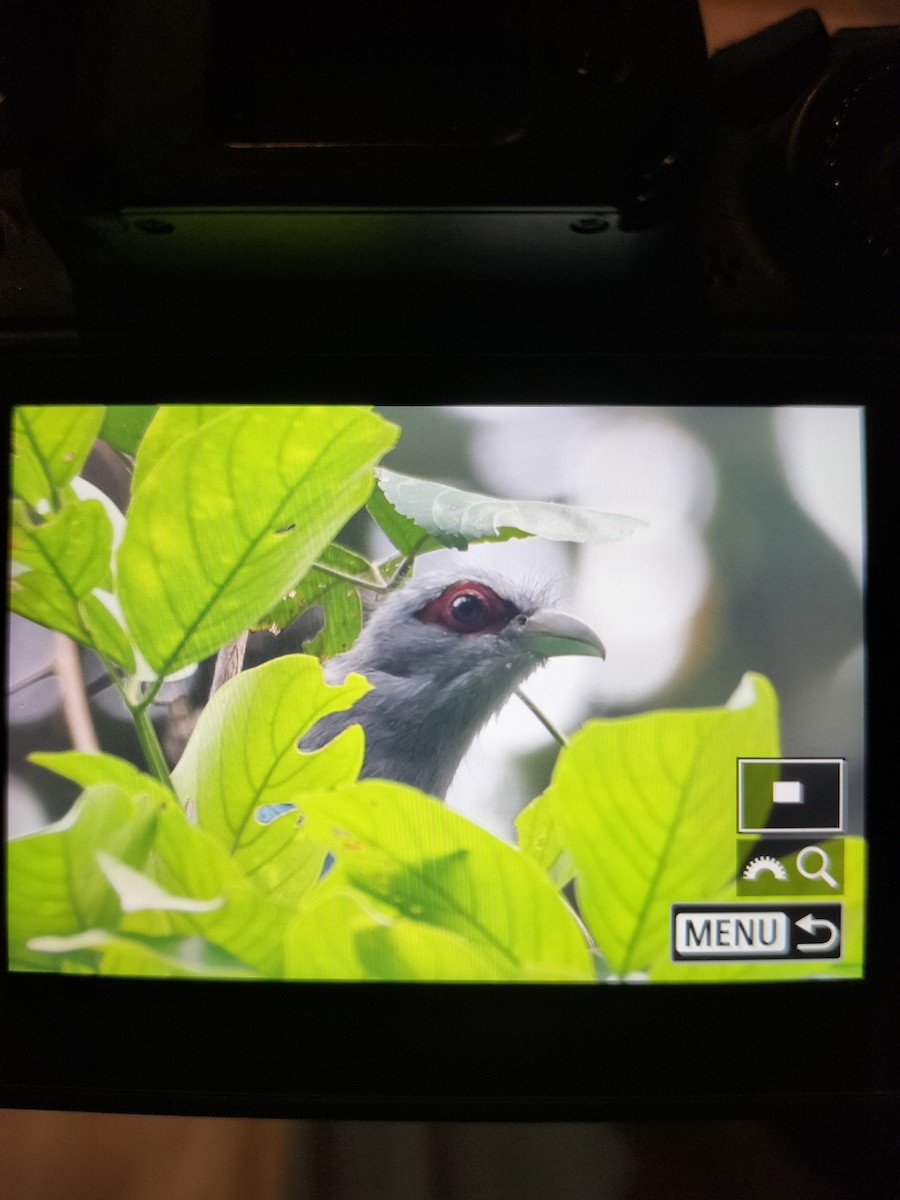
pixel 663 209
pixel 139 1158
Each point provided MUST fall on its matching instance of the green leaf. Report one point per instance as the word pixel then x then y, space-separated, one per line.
pixel 646 808
pixel 417 861
pixel 340 939
pixel 58 565
pixel 59 879
pixel 186 861
pixel 90 769
pixel 56 887
pixel 404 533
pixel 456 518
pixel 539 839
pixel 171 424
pixel 73 547
pixel 109 953
pixel 230 517
pixel 320 942
pixel 243 754
pixel 89 622
pixel 50 446
pixel 340 600
pixel 125 424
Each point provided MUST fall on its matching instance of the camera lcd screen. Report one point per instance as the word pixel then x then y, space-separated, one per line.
pixel 623 646
pixel 395 73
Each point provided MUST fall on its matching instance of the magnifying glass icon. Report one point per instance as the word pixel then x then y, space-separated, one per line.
pixel 821 871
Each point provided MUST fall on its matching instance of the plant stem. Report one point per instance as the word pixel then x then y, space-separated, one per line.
pixel 153 752
pixel 378 586
pixel 544 720
pixel 406 565
pixel 363 583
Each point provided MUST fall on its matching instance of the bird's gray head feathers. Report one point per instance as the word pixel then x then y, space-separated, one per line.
pixel 443 654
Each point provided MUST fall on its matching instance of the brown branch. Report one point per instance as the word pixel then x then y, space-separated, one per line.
pixel 229 662
pixel 76 713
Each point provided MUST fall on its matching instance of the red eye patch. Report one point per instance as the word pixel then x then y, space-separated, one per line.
pixel 468 607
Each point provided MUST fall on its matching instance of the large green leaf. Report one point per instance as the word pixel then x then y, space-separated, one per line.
pixel 56 886
pixel 539 839
pixel 456 518
pixel 186 861
pixel 57 875
pixel 232 515
pixel 243 754
pixel 50 446
pixel 339 938
pixel 171 424
pixel 125 425
pixel 646 807
pixel 416 860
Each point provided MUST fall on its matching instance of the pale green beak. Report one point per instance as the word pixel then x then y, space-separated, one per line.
pixel 552 634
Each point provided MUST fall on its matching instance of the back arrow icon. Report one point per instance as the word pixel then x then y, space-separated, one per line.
pixel 809 924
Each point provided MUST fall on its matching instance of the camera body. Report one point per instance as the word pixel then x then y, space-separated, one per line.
pixel 480 177
pixel 796 222
pixel 314 165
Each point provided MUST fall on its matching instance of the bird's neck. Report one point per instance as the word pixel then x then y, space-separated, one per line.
pixel 418 734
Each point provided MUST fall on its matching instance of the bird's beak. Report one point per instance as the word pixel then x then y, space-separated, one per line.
pixel 552 633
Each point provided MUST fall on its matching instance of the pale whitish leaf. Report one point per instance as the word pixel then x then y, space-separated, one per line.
pixel 457 518
pixel 110 953
pixel 136 892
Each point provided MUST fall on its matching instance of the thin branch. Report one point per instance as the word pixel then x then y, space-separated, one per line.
pixel 229 662
pixel 77 715
pixel 363 583
pixel 407 563
pixel 378 585
pixel 28 680
pixel 544 720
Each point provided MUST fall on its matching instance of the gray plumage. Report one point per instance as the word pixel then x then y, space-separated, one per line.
pixel 437 677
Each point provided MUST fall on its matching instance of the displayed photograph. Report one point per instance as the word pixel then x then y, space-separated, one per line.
pixel 464 693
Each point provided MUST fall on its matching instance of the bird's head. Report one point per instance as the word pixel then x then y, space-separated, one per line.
pixel 443 654
pixel 473 630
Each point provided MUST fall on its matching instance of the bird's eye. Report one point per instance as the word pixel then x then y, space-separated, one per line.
pixel 468 611
pixel 468 607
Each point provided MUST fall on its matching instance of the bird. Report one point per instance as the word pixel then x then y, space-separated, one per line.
pixel 443 653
